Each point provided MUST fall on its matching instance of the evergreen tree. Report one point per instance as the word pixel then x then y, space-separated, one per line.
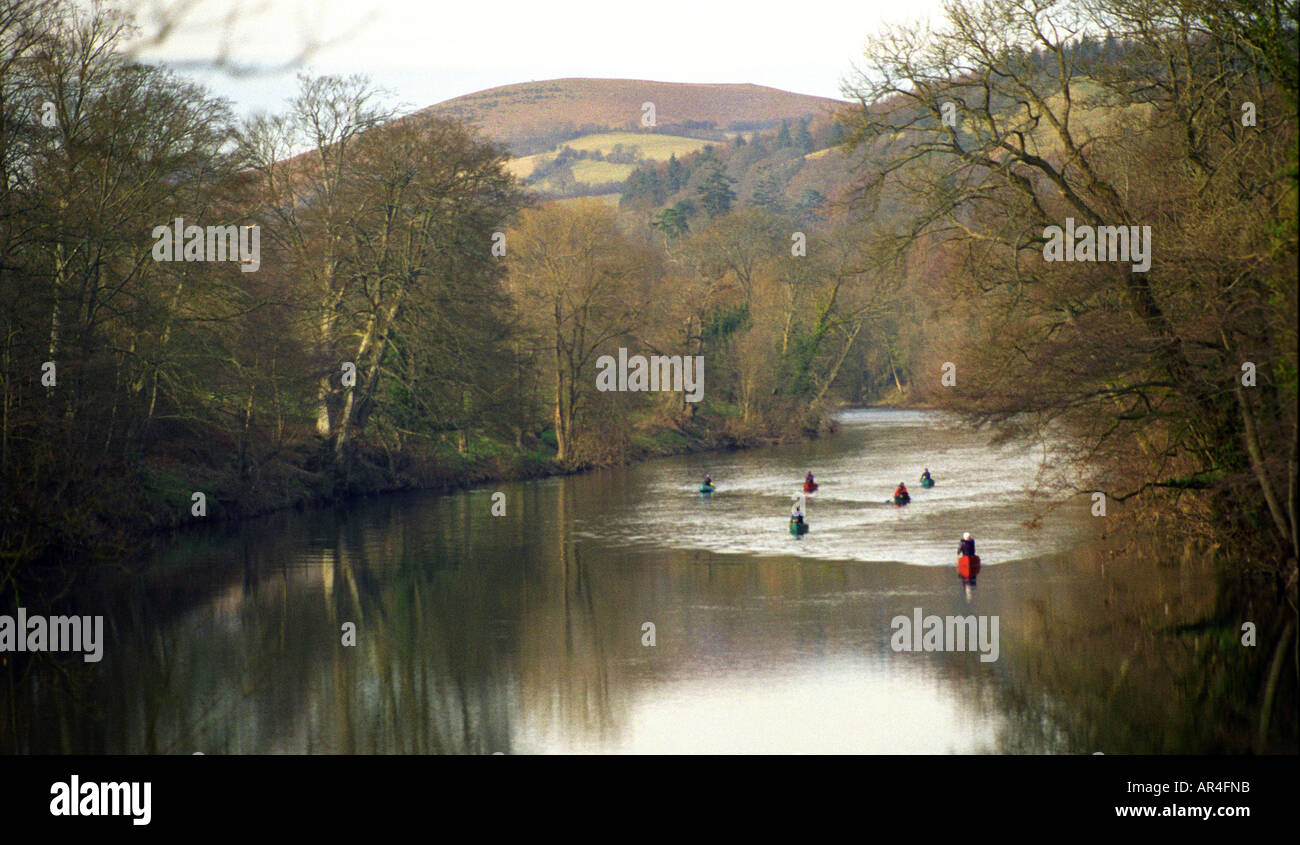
pixel 836 136
pixel 715 192
pixel 809 208
pixel 768 194
pixel 803 138
pixel 783 135
pixel 644 182
pixel 676 176
pixel 672 221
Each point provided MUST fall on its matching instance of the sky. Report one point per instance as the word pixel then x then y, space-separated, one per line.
pixel 426 51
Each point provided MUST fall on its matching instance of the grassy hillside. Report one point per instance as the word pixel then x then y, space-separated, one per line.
pixel 651 145
pixel 523 167
pixel 630 148
pixel 598 172
pixel 793 169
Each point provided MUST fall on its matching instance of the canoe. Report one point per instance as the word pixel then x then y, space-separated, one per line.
pixel 968 566
pixel 900 500
pixel 706 488
pixel 798 528
pixel 927 482
pixel 810 488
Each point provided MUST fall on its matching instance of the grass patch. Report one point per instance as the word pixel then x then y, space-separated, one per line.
pixel 522 168
pixel 650 144
pixel 713 408
pixel 665 442
pixel 590 172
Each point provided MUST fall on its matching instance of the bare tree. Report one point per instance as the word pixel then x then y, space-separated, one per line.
pixel 579 280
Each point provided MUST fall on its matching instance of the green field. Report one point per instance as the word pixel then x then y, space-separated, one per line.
pixel 650 145
pixel 591 173
pixel 522 167
pixel 588 172
pixel 595 172
pixel 654 147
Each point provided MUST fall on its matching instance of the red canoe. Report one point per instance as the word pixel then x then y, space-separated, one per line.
pixel 968 566
pixel 810 488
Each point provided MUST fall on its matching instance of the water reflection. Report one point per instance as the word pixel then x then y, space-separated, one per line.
pixel 968 570
pixel 524 633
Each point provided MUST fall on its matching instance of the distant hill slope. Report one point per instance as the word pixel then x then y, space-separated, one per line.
pixel 532 117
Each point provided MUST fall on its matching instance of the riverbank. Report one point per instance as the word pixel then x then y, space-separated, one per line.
pixel 282 484
pixel 189 486
pixel 903 399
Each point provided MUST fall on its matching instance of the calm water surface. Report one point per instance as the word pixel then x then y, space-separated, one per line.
pixel 523 633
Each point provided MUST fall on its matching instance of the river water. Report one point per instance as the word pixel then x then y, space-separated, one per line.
pixel 529 632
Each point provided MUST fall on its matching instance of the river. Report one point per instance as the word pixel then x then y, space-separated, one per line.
pixel 530 632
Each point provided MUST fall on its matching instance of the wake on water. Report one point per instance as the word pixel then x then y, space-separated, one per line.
pixel 979 487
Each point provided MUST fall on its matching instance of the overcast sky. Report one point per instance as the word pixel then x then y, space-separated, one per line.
pixel 426 51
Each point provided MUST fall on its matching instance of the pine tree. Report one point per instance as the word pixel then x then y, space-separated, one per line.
pixel 836 136
pixel 643 182
pixel 809 207
pixel 676 176
pixel 671 221
pixel 783 135
pixel 803 138
pixel 715 192
pixel 767 193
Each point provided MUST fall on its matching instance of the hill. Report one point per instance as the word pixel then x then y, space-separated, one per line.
pixel 533 117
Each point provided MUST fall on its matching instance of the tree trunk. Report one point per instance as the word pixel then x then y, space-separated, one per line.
pixel 893 372
pixel 561 416
pixel 1257 466
pixel 835 371
pixel 561 436
pixel 244 437
pixel 324 427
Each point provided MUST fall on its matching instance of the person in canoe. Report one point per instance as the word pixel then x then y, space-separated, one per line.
pixel 797 523
pixel 926 480
pixel 968 563
pixel 901 496
pixel 808 484
pixel 707 486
